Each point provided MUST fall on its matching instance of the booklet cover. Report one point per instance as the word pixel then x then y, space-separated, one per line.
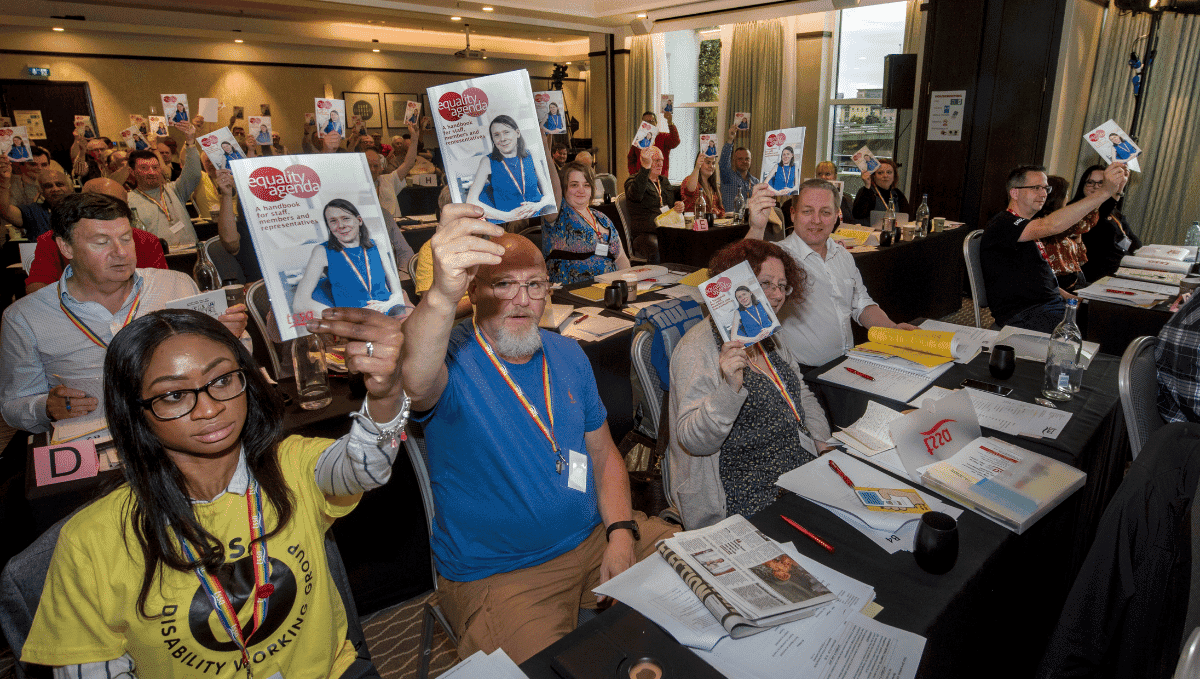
pixel 260 130
pixel 782 150
pixel 208 108
pixel 551 111
pixel 412 112
pixel 1114 145
pixel 158 126
pixel 175 108
pixel 865 160
pixel 644 138
pixel 330 116
pixel 84 124
pixel 319 235
pixel 139 121
pixel 14 143
pixel 738 305
pixel 741 121
pixel 492 147
pixel 134 139
pixel 709 145
pixel 221 147
pixel 667 103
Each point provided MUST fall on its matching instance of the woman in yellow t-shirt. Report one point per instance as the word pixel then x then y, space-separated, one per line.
pixel 209 560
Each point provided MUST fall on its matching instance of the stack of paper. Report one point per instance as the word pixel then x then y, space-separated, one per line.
pixel 870 435
pixel 1179 253
pixel 1156 264
pixel 890 382
pixel 1129 292
pixel 554 315
pixel 643 272
pixel 496 665
pixel 1150 275
pixel 593 326
pixel 1017 417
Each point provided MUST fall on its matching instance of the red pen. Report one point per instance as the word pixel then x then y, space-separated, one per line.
pixel 580 319
pixel 834 467
pixel 1120 292
pixel 860 374
pixel 806 532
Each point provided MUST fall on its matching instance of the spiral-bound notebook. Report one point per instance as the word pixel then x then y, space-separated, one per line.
pixel 878 380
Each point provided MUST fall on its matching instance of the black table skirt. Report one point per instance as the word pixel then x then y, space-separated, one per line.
pixel 921 278
pixel 1114 326
pixel 695 248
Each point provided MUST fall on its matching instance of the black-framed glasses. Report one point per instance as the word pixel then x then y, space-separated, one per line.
pixel 175 404
pixel 1038 187
pixel 536 288
pixel 1094 184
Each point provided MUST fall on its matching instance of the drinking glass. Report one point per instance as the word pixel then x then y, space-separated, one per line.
pixel 1003 362
pixel 936 545
pixel 312 375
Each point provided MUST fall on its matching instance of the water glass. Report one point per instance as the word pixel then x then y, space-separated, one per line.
pixel 312 375
pixel 1003 362
pixel 936 544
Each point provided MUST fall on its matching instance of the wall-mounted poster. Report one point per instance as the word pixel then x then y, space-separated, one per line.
pixel 31 121
pixel 946 115
pixel 396 106
pixel 366 106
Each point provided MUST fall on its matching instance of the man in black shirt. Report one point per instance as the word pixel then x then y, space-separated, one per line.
pixel 1021 287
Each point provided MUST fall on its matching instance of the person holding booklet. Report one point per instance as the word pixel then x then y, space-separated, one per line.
pixel 346 270
pixel 264 136
pixel 879 189
pixel 702 180
pixel 734 165
pixel 740 417
pixel 647 193
pixel 1111 236
pixel 509 185
pixel 664 142
pixel 161 204
pixel 581 243
pixel 218 507
pixel 783 180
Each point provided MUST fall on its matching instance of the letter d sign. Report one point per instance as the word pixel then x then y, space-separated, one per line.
pixel 65 462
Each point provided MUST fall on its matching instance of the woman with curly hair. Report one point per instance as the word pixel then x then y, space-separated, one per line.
pixel 740 416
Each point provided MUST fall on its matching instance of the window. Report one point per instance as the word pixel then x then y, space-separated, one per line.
pixel 709 79
pixel 692 73
pixel 865 35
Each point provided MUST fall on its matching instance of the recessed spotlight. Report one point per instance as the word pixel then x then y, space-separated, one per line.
pixel 568 63
pixel 488 9
pixel 485 57
pixel 239 41
pixel 642 15
pixel 60 29
pixel 374 50
pixel 456 18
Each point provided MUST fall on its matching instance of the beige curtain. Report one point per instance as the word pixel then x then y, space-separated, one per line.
pixel 1163 199
pixel 755 83
pixel 640 94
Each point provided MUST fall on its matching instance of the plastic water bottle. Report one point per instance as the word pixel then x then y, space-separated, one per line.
pixel 312 374
pixel 922 218
pixel 739 207
pixel 1064 374
pixel 1193 239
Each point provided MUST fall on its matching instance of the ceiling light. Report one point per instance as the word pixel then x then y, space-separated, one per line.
pixel 485 57
pixel 239 41
pixel 642 15
pixel 374 50
pixel 456 18
pixel 60 29
pixel 568 63
pixel 488 9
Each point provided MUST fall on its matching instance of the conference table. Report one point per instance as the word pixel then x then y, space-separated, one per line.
pixel 1114 326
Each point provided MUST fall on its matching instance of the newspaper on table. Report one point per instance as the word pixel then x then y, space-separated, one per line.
pixel 738 305
pixel 1114 145
pixel 551 111
pixel 412 112
pixel 743 577
pixel 134 138
pixel 1150 275
pixel 221 147
pixel 1179 253
pixel 865 160
pixel 708 145
pixel 644 138
pixel 492 146
pixel 85 127
pixel 741 120
pixel 260 130
pixel 1156 264
pixel 319 235
pixel 330 116
pixel 14 143
pixel 782 150
pixel 175 108
pixel 666 103
pixel 157 126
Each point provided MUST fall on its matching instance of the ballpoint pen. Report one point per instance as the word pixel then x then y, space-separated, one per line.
pixel 834 467
pixel 860 374
pixel 580 319
pixel 808 533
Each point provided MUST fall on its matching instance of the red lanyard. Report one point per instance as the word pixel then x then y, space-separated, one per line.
pixel 83 327
pixel 161 206
pixel 366 262
pixel 586 214
pixel 773 376
pixel 521 186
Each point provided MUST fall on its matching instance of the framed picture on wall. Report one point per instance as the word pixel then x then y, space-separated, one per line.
pixel 395 104
pixel 366 106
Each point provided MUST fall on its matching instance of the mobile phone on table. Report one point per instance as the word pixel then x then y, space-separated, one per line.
pixel 986 386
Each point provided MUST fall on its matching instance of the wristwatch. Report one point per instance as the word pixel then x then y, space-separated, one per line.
pixel 617 525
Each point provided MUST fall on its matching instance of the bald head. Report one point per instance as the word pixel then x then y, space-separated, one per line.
pixel 54 185
pixel 519 253
pixel 107 187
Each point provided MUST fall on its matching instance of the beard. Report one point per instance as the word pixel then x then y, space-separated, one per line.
pixel 518 344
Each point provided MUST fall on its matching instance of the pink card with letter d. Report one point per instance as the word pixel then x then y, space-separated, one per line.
pixel 65 462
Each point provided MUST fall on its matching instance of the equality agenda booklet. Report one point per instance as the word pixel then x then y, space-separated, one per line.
pixel 221 147
pixel 319 235
pixel 175 108
pixel 330 116
pixel 708 144
pixel 1114 144
pixel 782 150
pixel 14 143
pixel 260 130
pixel 738 306
pixel 492 146
pixel 134 139
pixel 551 111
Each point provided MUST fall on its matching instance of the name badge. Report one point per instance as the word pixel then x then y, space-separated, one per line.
pixel 601 249
pixel 1124 244
pixel 177 227
pixel 577 476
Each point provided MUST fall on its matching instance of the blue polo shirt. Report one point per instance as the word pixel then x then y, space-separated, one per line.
pixel 36 218
pixel 500 506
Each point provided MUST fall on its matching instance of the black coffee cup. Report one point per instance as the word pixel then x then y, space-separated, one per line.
pixel 1003 362
pixel 936 545
pixel 615 294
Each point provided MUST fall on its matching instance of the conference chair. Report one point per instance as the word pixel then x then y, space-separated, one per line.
pixel 278 354
pixel 609 182
pixel 975 274
pixel 418 456
pixel 623 213
pixel 227 265
pixel 639 353
pixel 24 577
pixel 1137 384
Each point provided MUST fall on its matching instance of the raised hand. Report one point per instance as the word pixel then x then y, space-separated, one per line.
pixel 733 363
pixel 460 247
pixel 375 341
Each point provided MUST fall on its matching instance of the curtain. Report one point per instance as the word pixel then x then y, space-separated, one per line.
pixel 641 91
pixel 755 84
pixel 1163 199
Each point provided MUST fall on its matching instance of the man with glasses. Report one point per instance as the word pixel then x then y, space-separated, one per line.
pixel 57 336
pixel 1021 288
pixel 532 498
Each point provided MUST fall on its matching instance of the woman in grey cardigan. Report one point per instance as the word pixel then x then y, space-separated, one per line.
pixel 733 429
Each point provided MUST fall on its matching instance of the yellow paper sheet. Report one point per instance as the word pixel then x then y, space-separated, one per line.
pixel 695 278
pixel 927 360
pixel 593 293
pixel 936 342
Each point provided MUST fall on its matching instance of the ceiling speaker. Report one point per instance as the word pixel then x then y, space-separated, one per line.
pixel 641 26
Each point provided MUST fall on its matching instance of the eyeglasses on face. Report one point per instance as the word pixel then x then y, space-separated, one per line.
pixel 1038 187
pixel 768 287
pixel 507 289
pixel 175 404
pixel 1094 184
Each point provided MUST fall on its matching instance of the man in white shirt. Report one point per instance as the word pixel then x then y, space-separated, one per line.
pixel 160 204
pixel 819 331
pixel 388 184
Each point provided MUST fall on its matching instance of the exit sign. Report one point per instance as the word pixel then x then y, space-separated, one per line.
pixel 37 71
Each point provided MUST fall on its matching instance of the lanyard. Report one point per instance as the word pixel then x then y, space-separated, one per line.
pixel 756 312
pixel 222 605
pixel 587 217
pixel 881 198
pixel 521 186
pixel 366 262
pixel 83 327
pixel 789 179
pixel 161 206
pixel 658 190
pixel 548 432
pixel 773 376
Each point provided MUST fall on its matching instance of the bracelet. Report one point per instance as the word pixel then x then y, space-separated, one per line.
pixel 390 435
